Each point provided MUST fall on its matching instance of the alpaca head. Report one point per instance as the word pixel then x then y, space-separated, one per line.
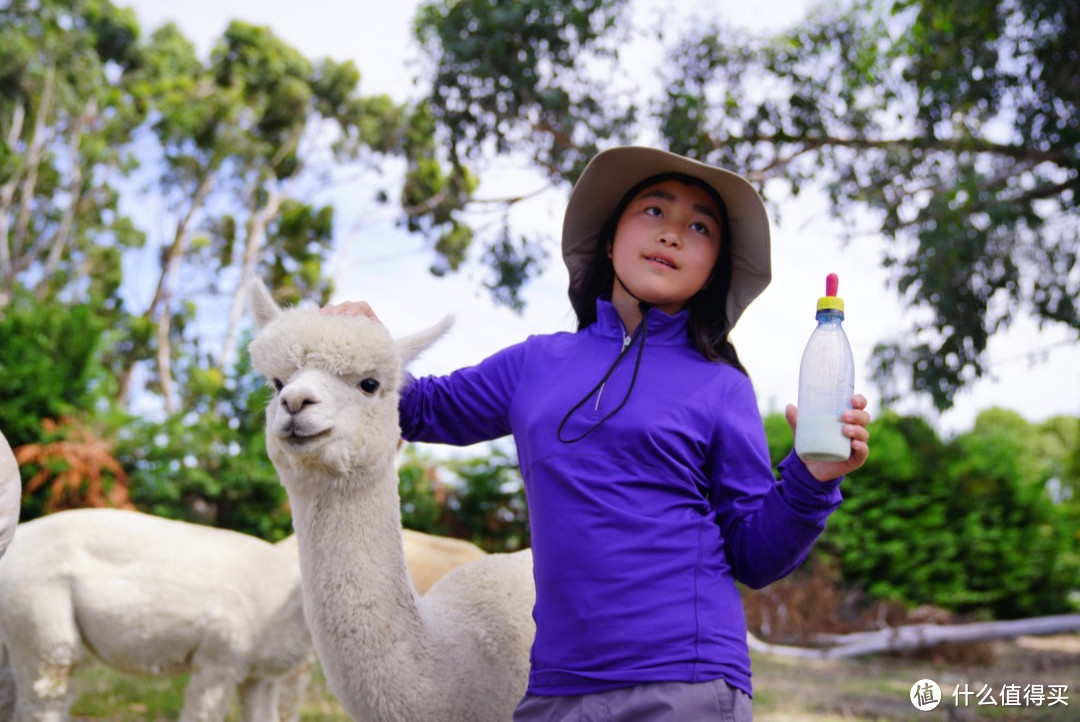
pixel 336 383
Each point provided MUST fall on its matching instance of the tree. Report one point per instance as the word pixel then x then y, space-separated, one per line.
pixel 507 78
pixel 95 119
pixel 239 136
pixel 67 110
pixel 507 75
pixel 954 128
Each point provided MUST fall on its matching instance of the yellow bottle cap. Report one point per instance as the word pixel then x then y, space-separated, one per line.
pixel 830 301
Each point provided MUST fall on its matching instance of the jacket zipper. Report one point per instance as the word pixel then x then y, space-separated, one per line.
pixel 626 340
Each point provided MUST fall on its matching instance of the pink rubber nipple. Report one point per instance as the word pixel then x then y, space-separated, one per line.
pixel 832 283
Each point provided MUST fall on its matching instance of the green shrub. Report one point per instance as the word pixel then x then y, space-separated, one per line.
pixel 478 498
pixel 966 525
pixel 47 364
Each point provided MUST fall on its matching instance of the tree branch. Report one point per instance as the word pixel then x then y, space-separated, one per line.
pixel 256 238
pixel 63 231
pixel 965 145
pixel 7 198
pixel 34 155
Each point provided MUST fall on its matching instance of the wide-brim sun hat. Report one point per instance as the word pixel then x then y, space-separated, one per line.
pixel 612 173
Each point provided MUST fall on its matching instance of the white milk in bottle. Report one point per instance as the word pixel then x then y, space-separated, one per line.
pixel 826 383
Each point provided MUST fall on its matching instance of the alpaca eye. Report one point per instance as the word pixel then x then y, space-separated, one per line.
pixel 369 386
pixel 278 385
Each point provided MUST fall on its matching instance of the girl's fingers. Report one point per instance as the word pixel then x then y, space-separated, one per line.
pixel 349 308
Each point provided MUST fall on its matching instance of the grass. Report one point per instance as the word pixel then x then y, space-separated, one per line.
pixel 872 689
pixel 877 688
pixel 104 695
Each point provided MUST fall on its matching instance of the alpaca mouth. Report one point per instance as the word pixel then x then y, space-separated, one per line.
pixel 298 438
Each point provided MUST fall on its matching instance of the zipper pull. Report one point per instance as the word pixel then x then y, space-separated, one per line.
pixel 626 340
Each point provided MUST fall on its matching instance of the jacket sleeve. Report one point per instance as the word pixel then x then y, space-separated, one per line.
pixel 768 526
pixel 465 407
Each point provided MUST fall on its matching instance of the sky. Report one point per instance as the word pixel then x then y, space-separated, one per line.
pixel 1034 372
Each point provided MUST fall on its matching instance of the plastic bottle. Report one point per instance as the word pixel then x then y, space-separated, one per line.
pixel 826 383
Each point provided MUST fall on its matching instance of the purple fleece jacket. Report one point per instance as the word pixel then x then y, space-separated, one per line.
pixel 641 529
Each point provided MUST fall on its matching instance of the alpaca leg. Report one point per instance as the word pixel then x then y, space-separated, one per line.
pixel 42 652
pixel 259 699
pixel 43 686
pixel 7 687
pixel 291 689
pixel 208 693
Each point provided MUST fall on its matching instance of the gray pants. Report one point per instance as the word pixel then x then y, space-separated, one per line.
pixel 674 701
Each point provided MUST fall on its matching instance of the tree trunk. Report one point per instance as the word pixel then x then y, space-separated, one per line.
pixel 67 220
pixel 916 636
pixel 256 238
pixel 7 199
pixel 159 308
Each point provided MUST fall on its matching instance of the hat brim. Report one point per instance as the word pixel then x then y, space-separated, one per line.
pixel 612 173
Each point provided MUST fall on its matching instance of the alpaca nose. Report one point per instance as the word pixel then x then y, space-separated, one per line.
pixel 296 397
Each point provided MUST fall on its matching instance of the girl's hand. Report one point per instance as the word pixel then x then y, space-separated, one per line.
pixel 855 421
pixel 349 308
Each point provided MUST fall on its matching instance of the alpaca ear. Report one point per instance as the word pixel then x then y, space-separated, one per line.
pixel 409 347
pixel 261 303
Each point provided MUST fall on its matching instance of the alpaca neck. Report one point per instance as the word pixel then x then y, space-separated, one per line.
pixel 364 614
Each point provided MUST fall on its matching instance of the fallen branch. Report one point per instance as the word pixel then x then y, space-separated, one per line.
pixel 916 636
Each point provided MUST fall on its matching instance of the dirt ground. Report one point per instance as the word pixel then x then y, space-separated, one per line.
pixel 879 687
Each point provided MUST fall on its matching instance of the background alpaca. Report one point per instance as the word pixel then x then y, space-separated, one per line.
pixel 149 596
pixel 461 651
pixel 430 557
pixel 10 494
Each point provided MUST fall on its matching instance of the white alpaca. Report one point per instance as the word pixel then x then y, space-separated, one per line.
pixel 31 574
pixel 10 494
pixel 460 652
pixel 429 559
pixel 149 596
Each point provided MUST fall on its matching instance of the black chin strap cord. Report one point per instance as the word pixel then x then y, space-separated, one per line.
pixel 640 335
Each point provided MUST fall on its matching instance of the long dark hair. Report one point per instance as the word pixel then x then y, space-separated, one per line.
pixel 708 323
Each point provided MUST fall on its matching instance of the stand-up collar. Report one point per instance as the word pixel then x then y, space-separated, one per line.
pixel 663 329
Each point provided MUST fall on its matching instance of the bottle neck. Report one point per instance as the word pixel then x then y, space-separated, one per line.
pixel 830 315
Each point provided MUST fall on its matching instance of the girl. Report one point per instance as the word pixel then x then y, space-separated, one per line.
pixel 643 453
